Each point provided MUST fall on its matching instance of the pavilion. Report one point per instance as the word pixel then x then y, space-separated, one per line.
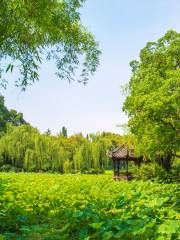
pixel 121 156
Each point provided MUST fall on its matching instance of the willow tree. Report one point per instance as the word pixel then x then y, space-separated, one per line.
pixel 15 143
pixel 32 31
pixel 77 160
pixel 153 101
pixel 96 156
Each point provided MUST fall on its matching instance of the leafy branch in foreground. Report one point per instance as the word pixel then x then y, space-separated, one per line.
pixel 32 31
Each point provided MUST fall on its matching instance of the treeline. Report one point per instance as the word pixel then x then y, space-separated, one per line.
pixel 24 148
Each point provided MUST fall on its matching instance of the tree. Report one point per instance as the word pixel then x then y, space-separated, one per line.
pixel 32 31
pixel 23 147
pixel 48 132
pixel 153 101
pixel 64 131
pixel 9 116
pixel 16 118
pixel 3 114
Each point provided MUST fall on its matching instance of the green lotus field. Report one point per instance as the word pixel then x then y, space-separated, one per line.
pixel 43 206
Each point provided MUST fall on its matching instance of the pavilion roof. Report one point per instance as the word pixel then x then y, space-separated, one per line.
pixel 122 152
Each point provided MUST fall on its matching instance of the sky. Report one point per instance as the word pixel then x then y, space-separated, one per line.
pixel 122 28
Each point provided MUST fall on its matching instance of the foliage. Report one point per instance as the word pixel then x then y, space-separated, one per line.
pixel 9 168
pixel 9 116
pixel 48 132
pixel 3 114
pixel 153 99
pixel 52 206
pixel 25 148
pixel 63 132
pixel 145 171
pixel 155 172
pixel 176 169
pixel 32 31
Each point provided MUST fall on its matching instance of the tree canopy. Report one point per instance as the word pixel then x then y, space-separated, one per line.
pixel 153 101
pixel 9 116
pixel 32 31
pixel 24 148
pixel 63 132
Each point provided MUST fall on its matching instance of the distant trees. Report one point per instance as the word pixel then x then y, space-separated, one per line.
pixel 25 148
pixel 48 132
pixel 153 101
pixel 15 118
pixel 63 131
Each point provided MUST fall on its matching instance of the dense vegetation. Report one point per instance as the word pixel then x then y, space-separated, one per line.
pixel 153 101
pixel 50 206
pixel 26 149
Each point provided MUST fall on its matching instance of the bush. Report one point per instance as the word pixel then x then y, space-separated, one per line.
pixel 162 175
pixel 10 168
pixel 152 171
pixel 144 172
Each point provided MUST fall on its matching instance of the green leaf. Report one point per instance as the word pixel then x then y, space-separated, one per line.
pixel 96 225
pixel 169 227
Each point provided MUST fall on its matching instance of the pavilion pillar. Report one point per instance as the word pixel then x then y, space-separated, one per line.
pixel 114 165
pixel 118 166
pixel 127 167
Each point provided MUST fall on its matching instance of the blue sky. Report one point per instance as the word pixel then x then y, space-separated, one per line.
pixel 122 28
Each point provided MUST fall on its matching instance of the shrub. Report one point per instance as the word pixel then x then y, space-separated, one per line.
pixel 152 171
pixel 144 172
pixel 9 168
pixel 162 175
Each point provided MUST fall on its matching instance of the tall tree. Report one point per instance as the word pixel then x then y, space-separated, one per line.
pixel 48 132
pixel 153 101
pixel 3 114
pixel 64 131
pixel 32 31
pixel 9 116
pixel 16 118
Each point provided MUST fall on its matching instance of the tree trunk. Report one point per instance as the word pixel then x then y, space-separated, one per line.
pixel 165 161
